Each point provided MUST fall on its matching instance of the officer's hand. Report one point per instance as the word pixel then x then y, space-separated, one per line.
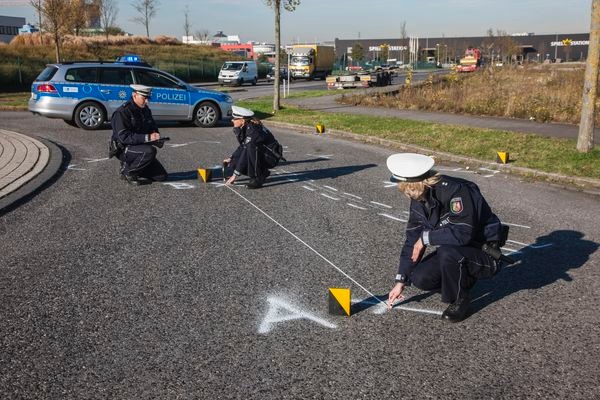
pixel 395 294
pixel 227 160
pixel 154 136
pixel 418 249
pixel 231 179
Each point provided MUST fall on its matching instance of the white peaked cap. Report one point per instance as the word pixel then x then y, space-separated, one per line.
pixel 409 167
pixel 241 112
pixel 142 89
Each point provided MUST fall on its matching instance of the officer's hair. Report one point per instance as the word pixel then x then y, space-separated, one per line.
pixel 416 190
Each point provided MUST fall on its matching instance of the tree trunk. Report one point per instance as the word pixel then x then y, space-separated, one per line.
pixel 277 9
pixel 57 46
pixel 585 140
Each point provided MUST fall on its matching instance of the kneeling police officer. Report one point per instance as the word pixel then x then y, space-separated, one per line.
pixel 451 214
pixel 134 138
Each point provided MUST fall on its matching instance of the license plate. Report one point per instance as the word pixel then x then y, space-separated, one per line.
pixel 226 80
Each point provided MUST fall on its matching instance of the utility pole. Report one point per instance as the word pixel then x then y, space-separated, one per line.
pixel 585 139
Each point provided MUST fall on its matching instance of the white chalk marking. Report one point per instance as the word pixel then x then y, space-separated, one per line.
pixel 520 226
pixel 353 195
pixel 392 217
pixel 179 185
pixel 309 188
pixel 493 171
pixel 304 243
pixel 533 246
pixel 355 206
pixel 388 184
pixel 282 311
pixel 381 308
pixel 324 156
pixel 381 204
pixel 94 160
pixel 72 168
pixel 330 188
pixel 329 197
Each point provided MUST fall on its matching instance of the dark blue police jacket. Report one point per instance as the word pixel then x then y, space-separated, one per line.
pixel 248 157
pixel 453 213
pixel 132 124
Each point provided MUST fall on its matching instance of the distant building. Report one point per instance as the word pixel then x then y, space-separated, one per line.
pixel 530 47
pixel 9 27
pixel 27 29
pixel 242 49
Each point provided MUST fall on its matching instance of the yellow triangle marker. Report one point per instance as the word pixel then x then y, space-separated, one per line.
pixel 339 301
pixel 320 128
pixel 502 157
pixel 204 174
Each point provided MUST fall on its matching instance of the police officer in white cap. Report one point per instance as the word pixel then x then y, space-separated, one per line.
pixel 136 134
pixel 451 215
pixel 248 159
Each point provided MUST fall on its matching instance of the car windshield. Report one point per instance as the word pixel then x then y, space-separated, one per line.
pixel 297 60
pixel 232 66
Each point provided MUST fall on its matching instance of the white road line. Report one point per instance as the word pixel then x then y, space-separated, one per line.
pixel 331 188
pixel 355 206
pixel 392 217
pixel 93 160
pixel 381 204
pixel 353 195
pixel 309 188
pixel 329 197
pixel 520 226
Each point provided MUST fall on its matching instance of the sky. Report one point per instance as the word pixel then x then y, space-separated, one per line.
pixel 325 20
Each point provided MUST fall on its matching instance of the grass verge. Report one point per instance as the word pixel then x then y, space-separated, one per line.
pixel 526 150
pixel 14 101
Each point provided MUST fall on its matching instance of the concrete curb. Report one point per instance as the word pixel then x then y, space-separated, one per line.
pixel 42 179
pixel 588 185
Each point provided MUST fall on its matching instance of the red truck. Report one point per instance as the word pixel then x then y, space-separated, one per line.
pixel 471 61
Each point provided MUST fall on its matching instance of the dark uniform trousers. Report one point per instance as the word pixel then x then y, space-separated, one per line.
pixel 452 271
pixel 140 160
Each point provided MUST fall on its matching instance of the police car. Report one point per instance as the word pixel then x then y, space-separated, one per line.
pixel 85 94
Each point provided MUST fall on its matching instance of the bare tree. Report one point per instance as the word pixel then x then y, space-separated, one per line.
pixel 289 5
pixel 108 14
pixel 202 34
pixel 56 20
pixel 146 10
pixel 585 140
pixel 77 16
pixel 187 25
pixel 37 5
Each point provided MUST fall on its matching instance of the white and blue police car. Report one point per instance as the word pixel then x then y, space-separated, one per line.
pixel 86 94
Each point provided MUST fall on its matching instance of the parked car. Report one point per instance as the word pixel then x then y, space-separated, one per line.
pixel 85 94
pixel 283 74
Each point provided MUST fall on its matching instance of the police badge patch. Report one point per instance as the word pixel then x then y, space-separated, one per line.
pixel 122 94
pixel 456 205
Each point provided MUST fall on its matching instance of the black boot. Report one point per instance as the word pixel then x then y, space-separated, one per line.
pixel 135 180
pixel 254 184
pixel 458 310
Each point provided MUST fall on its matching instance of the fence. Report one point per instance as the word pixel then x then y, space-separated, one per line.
pixel 17 75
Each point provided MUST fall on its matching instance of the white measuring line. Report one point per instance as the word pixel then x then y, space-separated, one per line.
pixel 355 206
pixel 392 217
pixel 307 245
pixel 520 226
pixel 330 197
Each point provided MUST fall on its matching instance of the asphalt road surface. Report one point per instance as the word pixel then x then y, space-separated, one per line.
pixel 191 290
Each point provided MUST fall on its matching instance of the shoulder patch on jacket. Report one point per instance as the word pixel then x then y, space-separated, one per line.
pixel 456 205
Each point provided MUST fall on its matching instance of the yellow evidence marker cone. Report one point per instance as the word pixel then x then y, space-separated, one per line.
pixel 320 128
pixel 339 301
pixel 204 174
pixel 502 157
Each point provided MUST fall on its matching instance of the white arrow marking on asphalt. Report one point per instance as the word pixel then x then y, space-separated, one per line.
pixel 282 311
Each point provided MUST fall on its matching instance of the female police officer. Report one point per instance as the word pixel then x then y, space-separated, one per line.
pixel 451 214
pixel 248 158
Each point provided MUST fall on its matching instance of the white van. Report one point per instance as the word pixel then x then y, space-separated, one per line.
pixel 238 73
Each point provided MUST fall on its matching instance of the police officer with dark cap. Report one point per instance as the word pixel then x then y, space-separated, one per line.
pixel 452 215
pixel 248 158
pixel 136 135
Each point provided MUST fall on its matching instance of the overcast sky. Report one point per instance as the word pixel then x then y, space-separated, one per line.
pixel 325 20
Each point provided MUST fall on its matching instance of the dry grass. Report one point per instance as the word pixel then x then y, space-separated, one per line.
pixel 544 94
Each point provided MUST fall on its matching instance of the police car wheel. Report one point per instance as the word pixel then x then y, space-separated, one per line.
pixel 89 116
pixel 206 115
